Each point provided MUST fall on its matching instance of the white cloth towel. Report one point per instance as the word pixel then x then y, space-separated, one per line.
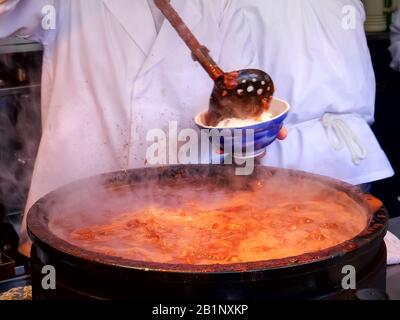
pixel 393 249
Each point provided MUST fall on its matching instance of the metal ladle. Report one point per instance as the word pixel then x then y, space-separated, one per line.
pixel 240 94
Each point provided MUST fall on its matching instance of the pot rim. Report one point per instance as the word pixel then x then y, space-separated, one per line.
pixel 39 232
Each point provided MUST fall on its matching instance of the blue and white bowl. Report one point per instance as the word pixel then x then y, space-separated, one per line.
pixel 259 135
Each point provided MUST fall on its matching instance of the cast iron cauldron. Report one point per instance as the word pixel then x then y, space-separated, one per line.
pixel 81 274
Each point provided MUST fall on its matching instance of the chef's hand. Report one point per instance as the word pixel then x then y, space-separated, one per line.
pixel 283 133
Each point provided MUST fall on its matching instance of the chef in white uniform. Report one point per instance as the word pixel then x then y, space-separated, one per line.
pixel 112 71
pixel 317 54
pixel 395 41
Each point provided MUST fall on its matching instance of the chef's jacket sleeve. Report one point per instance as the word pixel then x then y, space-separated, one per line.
pixel 26 18
pixel 395 41
pixel 238 51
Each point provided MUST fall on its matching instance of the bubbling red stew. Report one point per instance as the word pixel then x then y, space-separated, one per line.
pixel 240 226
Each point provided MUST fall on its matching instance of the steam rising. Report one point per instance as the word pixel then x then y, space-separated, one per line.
pixel 95 202
pixel 19 134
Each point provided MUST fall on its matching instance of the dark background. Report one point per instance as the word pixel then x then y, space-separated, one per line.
pixel 387 125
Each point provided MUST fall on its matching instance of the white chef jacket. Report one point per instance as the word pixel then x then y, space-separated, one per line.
pixel 158 16
pixel 321 65
pixel 395 41
pixel 108 78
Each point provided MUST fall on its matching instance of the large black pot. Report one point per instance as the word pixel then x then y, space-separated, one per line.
pixel 81 274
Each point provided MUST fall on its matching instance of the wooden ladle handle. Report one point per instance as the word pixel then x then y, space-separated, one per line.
pixel 374 203
pixel 199 51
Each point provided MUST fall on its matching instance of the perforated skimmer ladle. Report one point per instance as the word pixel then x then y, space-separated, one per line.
pixel 239 94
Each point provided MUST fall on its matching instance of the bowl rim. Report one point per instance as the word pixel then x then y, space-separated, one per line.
pixel 251 126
